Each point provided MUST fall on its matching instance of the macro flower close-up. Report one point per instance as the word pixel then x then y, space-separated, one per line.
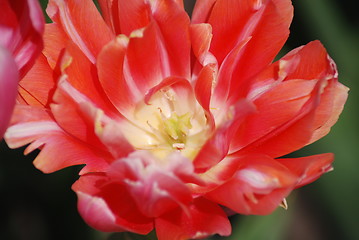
pixel 176 119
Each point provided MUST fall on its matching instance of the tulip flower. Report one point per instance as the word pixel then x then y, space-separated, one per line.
pixel 21 29
pixel 176 119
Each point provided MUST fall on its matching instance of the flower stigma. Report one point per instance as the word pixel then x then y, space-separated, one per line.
pixel 168 123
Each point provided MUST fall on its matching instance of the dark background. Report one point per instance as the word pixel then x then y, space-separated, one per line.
pixel 37 206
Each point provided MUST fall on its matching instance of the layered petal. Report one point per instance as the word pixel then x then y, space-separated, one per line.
pixel 258 187
pixel 22 26
pixel 266 23
pixel 38 86
pixel 292 125
pixel 180 225
pixel 217 147
pixel 154 186
pixel 176 121
pixel 82 23
pixel 308 169
pixel 107 206
pixel 33 124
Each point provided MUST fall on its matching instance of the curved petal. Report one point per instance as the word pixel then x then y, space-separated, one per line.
pixel 9 78
pixel 216 148
pixel 275 107
pixel 37 87
pixel 201 36
pixel 54 41
pixel 81 74
pixel 79 19
pixel 110 64
pixel 308 169
pixel 204 219
pixel 109 11
pixel 233 21
pixel 155 188
pixel 202 10
pixel 33 124
pixel 172 19
pixel 107 206
pixel 72 117
pixel 258 187
pixel 22 28
pixel 310 64
pixel 329 109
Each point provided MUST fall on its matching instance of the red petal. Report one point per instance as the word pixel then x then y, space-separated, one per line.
pixel 202 10
pixel 224 88
pixel 330 107
pixel 216 148
pixel 259 186
pixel 203 90
pixel 132 15
pixel 146 63
pixel 108 207
pixel 155 187
pixel 233 21
pixel 310 63
pixel 82 75
pixel 308 169
pixel 203 219
pixel 37 87
pixel 109 9
pixel 54 40
pixel 201 36
pixel 79 19
pixel 275 108
pixel 33 125
pixel 110 65
pixel 71 117
pixel 172 19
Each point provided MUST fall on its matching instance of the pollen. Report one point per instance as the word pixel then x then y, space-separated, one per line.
pixel 168 123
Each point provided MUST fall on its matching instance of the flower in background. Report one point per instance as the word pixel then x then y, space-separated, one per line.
pixel 176 120
pixel 21 29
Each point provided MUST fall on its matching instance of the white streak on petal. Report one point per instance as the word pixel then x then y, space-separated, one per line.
pixel 257 179
pixel 72 32
pixel 31 128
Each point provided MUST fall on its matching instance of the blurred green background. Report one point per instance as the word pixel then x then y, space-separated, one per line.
pixel 36 206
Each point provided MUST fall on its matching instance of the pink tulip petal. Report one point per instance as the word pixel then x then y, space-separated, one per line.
pixel 9 77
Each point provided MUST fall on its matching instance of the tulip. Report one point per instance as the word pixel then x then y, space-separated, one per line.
pixel 176 119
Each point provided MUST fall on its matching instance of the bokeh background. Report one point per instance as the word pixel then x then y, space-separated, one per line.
pixel 37 206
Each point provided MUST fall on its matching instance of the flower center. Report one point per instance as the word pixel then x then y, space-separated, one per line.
pixel 166 124
pixel 176 129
